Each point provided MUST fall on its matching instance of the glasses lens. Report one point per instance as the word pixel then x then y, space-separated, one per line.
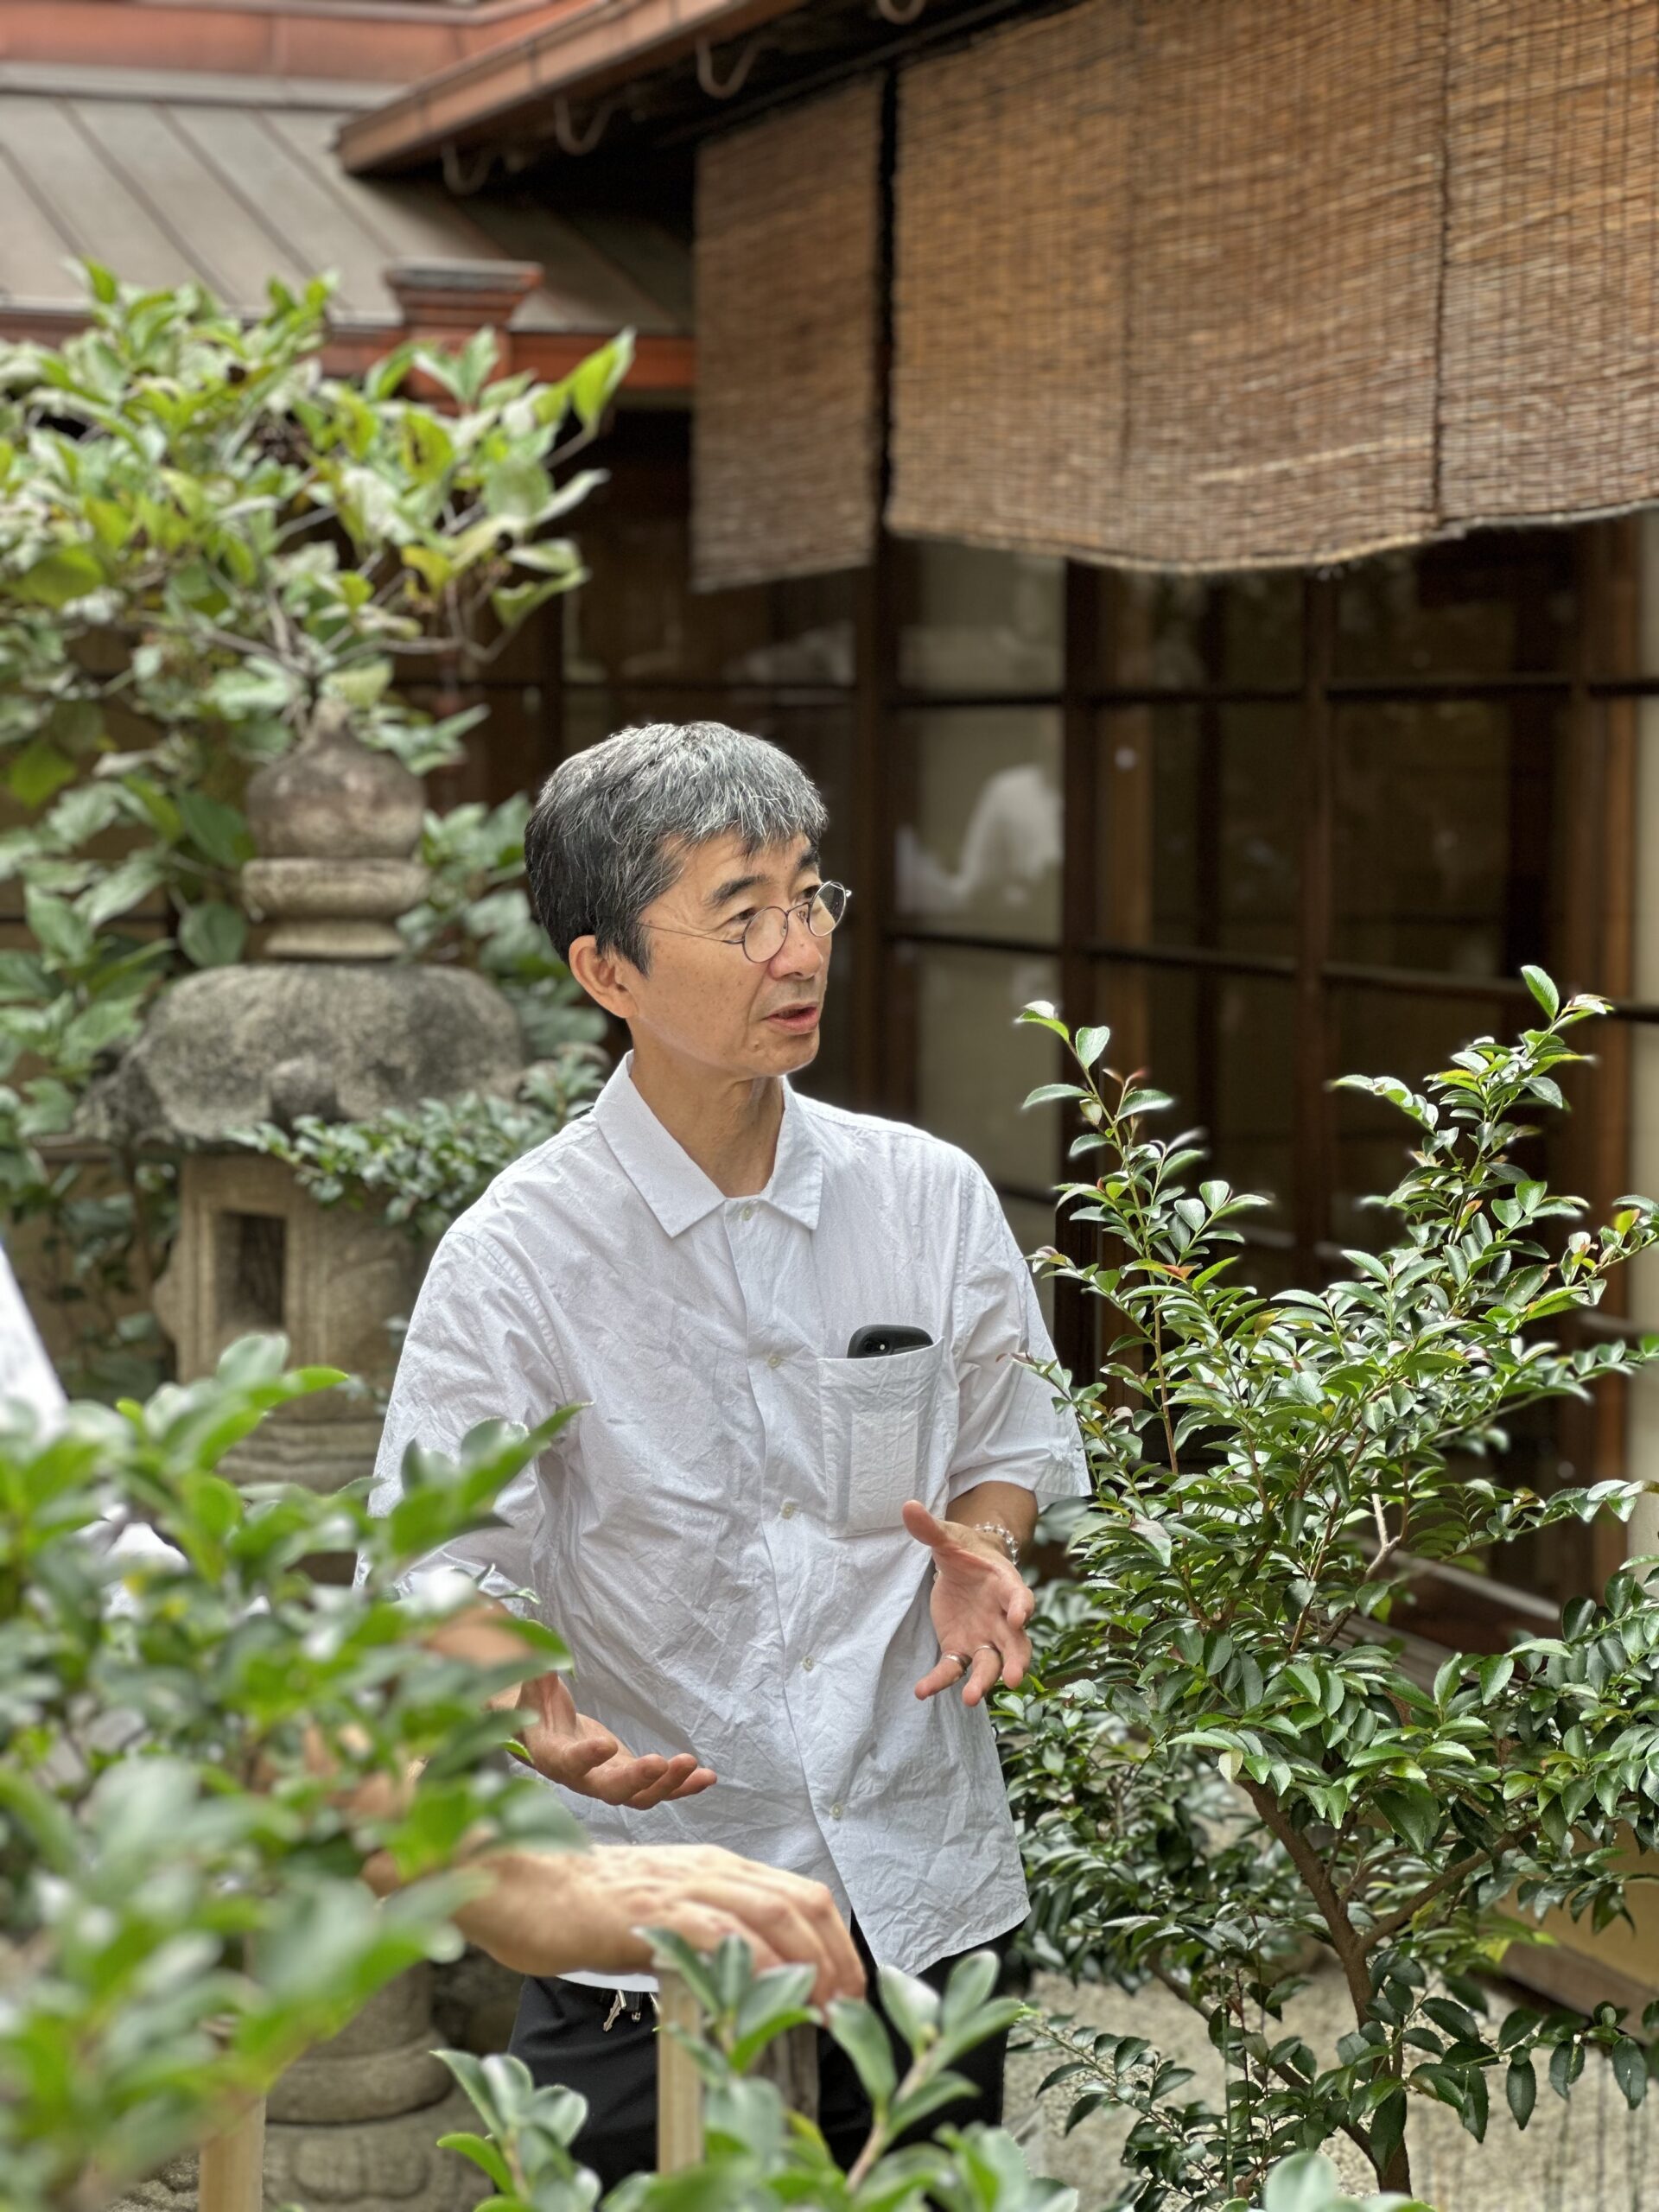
pixel 763 940
pixel 827 909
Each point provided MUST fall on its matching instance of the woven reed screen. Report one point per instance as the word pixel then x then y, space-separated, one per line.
pixel 1551 357
pixel 1216 284
pixel 1201 241
pixel 1285 242
pixel 788 266
pixel 1008 392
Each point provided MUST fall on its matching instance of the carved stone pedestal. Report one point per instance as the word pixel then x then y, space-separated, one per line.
pixel 357 2122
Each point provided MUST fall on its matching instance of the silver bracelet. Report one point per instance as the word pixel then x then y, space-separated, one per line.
pixel 1006 1537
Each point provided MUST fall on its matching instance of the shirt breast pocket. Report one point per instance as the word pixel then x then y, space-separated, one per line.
pixel 884 1437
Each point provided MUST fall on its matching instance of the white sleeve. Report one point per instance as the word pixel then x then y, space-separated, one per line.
pixel 477 1350
pixel 26 1373
pixel 28 1377
pixel 1009 1428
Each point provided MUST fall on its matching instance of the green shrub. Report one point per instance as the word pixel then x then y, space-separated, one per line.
pixel 184 1736
pixel 1221 1758
pixel 203 539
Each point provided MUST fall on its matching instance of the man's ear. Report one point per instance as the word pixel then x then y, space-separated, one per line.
pixel 604 976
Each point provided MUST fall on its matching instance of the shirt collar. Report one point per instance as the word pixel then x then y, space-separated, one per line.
pixel 670 1181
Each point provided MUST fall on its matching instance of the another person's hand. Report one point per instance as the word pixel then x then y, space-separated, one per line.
pixel 980 1607
pixel 562 1912
pixel 569 1748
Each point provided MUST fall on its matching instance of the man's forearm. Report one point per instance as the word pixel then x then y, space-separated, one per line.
pixel 524 1915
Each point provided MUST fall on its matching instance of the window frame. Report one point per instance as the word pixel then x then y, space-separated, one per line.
pixel 1597 693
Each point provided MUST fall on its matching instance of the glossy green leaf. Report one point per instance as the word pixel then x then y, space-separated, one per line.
pixel 212 934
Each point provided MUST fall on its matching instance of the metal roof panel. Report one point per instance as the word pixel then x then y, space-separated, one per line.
pixel 231 194
pixel 293 199
pixel 35 252
pixel 98 209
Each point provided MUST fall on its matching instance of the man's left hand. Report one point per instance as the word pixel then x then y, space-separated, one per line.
pixel 980 1607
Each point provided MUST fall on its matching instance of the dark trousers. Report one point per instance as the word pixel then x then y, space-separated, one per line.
pixel 561 2036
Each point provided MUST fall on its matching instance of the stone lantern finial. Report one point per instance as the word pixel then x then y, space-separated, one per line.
pixel 336 826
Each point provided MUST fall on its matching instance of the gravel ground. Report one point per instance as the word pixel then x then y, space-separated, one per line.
pixel 1589 2155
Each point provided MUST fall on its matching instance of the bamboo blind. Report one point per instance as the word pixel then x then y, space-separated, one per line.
pixel 1551 359
pixel 1369 274
pixel 1200 284
pixel 1284 234
pixel 788 273
pixel 1008 308
pixel 1199 241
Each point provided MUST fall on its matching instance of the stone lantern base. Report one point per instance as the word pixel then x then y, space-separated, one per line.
pixel 356 2122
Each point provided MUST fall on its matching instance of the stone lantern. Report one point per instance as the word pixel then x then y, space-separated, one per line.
pixel 328 1021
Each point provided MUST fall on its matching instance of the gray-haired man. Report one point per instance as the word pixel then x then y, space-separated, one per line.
pixel 770 1558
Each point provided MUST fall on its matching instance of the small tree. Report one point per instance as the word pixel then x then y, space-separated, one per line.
pixel 204 538
pixel 1223 1757
pixel 199 1748
pixel 757 2155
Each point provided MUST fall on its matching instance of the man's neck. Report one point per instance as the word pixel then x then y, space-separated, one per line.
pixel 729 1125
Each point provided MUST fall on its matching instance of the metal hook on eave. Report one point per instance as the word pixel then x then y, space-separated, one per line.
pixel 464 182
pixel 740 68
pixel 570 140
pixel 899 13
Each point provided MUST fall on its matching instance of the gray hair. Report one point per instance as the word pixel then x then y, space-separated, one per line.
pixel 612 825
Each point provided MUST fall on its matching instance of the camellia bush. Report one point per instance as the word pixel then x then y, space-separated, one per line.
pixel 757 2153
pixel 201 1746
pixel 205 538
pixel 1222 1762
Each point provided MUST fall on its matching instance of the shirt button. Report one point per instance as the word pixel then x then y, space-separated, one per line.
pixel 748 1213
pixel 834 1812
pixel 790 1510
pixel 775 1359
pixel 807 1665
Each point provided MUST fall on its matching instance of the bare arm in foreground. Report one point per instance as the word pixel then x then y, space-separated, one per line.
pixel 562 1912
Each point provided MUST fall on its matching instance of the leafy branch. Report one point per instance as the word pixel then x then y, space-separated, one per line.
pixel 1271 1474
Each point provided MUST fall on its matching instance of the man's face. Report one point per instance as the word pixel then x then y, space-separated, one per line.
pixel 703 998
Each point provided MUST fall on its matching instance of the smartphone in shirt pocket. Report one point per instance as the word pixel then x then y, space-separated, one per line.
pixel 883 1420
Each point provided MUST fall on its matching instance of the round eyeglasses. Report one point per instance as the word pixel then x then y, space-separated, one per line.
pixel 767 932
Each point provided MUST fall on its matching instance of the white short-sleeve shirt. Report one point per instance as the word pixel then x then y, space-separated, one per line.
pixel 717 1536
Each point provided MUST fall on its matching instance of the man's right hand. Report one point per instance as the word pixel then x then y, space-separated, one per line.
pixel 569 1748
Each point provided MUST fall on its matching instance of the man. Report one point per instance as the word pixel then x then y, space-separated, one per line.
pixel 787 1574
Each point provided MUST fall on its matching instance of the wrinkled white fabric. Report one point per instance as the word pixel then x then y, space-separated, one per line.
pixel 717 1535
pixel 28 1378
pixel 26 1374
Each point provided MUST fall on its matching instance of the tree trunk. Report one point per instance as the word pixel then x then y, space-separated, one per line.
pixel 1396 2173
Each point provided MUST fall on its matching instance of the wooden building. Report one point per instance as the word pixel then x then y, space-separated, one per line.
pixel 1180 472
